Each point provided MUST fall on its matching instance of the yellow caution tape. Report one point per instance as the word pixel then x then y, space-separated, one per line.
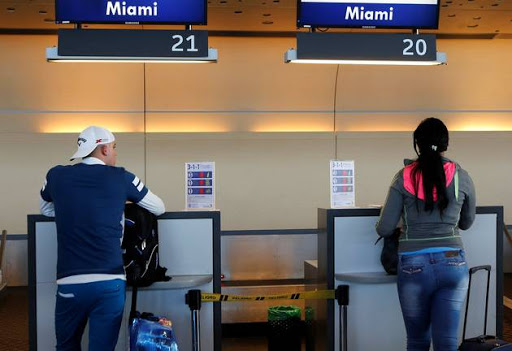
pixel 305 295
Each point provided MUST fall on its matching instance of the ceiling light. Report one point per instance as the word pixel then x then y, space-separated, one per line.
pixel 52 55
pixel 291 57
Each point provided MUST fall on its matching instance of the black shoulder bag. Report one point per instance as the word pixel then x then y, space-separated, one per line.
pixel 389 254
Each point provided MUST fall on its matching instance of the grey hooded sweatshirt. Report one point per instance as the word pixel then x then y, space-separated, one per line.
pixel 426 229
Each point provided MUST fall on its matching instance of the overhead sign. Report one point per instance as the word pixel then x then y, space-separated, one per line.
pixel 131 11
pixel 200 185
pixel 362 46
pixel 420 14
pixel 133 43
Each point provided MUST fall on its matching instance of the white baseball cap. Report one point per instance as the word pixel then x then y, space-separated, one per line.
pixel 90 138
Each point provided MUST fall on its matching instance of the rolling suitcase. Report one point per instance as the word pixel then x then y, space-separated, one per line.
pixel 484 341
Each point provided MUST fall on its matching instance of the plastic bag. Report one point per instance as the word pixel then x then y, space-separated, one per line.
pixel 280 313
pixel 152 333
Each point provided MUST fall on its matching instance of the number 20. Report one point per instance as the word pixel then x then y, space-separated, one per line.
pixel 421 47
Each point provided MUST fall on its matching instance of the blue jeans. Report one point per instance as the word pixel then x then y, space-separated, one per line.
pixel 102 303
pixel 432 288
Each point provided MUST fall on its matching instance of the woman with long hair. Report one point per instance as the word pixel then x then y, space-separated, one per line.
pixel 435 198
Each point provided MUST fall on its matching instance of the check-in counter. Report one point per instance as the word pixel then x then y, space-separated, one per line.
pixel 347 254
pixel 189 247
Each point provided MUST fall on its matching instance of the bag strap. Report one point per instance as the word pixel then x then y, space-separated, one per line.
pixel 456 183
pixel 133 308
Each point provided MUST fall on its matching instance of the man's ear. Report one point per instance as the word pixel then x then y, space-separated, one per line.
pixel 104 150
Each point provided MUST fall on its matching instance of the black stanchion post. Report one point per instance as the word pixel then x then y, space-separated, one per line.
pixel 342 298
pixel 193 300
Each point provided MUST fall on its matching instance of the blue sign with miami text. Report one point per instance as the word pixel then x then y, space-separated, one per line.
pixel 131 11
pixel 414 14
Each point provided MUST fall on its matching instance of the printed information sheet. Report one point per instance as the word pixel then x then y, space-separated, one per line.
pixel 200 185
pixel 342 184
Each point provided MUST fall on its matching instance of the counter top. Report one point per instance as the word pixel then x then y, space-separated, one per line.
pixel 179 282
pixel 367 277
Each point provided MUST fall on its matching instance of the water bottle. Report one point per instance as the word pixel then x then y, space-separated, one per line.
pixel 145 342
pixel 149 342
pixel 153 336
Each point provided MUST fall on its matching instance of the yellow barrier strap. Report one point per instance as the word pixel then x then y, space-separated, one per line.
pixel 304 295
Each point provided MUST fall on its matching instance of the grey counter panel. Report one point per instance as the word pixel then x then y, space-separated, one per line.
pixel 186 246
pixel 46 247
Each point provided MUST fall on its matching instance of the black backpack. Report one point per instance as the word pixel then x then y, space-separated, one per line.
pixel 140 245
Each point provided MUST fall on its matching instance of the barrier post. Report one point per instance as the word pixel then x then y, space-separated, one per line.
pixel 342 298
pixel 133 308
pixel 193 300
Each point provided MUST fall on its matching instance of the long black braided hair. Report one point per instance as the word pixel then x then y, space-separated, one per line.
pixel 430 139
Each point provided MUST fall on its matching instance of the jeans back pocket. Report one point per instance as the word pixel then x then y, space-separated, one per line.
pixel 455 262
pixel 411 269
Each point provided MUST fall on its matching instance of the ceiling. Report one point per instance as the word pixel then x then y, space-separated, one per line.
pixel 488 18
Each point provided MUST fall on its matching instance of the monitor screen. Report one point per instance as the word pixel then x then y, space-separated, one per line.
pixel 131 11
pixel 413 14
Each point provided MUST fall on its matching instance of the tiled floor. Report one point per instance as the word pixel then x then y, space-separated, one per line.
pixel 14 319
pixel 14 323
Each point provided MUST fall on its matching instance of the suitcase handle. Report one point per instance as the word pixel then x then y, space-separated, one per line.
pixel 471 272
pixel 479 268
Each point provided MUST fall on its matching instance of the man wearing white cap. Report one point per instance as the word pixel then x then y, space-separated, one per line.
pixel 87 200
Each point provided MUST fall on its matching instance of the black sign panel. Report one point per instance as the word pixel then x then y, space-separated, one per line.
pixel 133 43
pixel 362 46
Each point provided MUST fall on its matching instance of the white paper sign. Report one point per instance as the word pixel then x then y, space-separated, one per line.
pixel 342 184
pixel 200 185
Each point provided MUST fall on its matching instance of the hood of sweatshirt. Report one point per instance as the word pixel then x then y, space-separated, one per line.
pixel 449 171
